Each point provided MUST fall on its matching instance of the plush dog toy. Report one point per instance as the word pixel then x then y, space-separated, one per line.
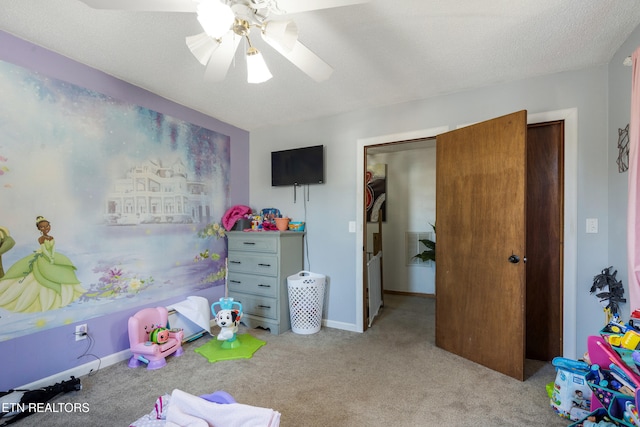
pixel 228 320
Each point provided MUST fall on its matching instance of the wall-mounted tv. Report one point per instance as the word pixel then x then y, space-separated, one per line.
pixel 298 166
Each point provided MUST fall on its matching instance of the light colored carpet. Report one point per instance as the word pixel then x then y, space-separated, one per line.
pixel 392 375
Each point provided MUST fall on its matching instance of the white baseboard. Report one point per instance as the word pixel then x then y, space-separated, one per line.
pixel 79 371
pixel 340 325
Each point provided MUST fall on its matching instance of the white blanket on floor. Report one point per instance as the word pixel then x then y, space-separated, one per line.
pixel 196 309
pixel 187 410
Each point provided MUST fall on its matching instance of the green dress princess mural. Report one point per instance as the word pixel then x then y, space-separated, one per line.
pixel 43 281
pixel 6 243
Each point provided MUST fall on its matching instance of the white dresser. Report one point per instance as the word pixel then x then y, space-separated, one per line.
pixel 259 264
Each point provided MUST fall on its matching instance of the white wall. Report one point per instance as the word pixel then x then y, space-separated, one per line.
pixel 332 206
pixel 411 203
pixel 619 116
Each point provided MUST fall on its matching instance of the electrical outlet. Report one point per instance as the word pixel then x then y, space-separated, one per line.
pixel 81 332
pixel 592 225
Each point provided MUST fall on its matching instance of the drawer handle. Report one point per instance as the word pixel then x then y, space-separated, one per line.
pixel 235 262
pixel 264 306
pixel 248 243
pixel 264 286
pixel 235 281
pixel 264 265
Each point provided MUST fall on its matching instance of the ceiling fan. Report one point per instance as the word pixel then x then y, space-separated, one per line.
pixel 227 22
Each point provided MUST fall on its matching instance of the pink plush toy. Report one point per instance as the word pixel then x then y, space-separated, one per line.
pixel 233 214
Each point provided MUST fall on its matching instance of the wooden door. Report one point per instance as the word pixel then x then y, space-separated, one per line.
pixel 481 220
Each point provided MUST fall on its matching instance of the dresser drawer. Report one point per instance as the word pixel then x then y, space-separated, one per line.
pixel 256 305
pixel 251 284
pixel 254 243
pixel 255 264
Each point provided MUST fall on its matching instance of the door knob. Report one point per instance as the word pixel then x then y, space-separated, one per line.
pixel 514 259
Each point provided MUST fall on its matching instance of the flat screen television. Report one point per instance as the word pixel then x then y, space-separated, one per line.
pixel 298 166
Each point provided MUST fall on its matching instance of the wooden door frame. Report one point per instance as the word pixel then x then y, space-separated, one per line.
pixel 570 118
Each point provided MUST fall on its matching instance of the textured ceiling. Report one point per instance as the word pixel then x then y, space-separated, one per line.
pixel 383 52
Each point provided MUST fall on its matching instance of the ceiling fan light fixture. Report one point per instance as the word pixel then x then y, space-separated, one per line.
pixel 284 34
pixel 226 22
pixel 202 46
pixel 257 70
pixel 215 17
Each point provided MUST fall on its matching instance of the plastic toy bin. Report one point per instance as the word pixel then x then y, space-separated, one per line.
pixel 306 300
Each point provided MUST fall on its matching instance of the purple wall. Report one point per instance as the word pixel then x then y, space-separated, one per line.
pixel 32 357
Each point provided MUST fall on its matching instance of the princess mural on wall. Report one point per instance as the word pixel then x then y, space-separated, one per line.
pixel 147 187
pixel 6 243
pixel 45 280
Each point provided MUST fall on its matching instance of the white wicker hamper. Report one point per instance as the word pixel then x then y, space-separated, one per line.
pixel 306 299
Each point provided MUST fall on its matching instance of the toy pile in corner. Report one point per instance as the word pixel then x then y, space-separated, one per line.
pixel 602 389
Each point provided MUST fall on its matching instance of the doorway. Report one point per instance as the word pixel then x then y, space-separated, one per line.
pixel 544 227
pixel 545 151
pixel 568 265
pixel 408 171
pixel 402 176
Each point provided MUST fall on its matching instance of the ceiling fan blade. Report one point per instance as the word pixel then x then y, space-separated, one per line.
pixel 295 6
pixel 307 61
pixel 144 5
pixel 221 58
pixel 202 46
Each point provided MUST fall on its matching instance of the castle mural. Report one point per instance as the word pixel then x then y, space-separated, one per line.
pixel 132 196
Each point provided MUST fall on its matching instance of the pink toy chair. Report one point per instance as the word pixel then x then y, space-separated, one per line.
pixel 141 326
